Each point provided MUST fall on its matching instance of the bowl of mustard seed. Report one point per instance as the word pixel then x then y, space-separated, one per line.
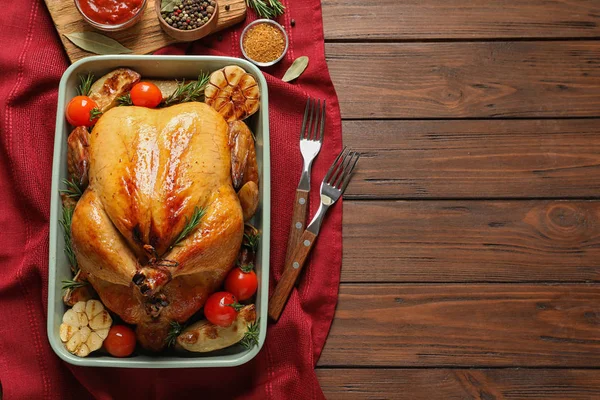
pixel 264 42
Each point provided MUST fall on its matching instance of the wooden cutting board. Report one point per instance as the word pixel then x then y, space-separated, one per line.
pixel 145 37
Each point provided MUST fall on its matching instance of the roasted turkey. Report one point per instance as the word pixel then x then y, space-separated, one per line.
pixel 150 172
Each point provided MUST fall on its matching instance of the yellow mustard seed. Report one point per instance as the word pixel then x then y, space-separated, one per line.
pixel 264 43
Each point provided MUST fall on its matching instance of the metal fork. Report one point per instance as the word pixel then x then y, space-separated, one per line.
pixel 334 185
pixel 311 138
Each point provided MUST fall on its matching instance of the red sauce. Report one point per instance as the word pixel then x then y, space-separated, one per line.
pixel 110 12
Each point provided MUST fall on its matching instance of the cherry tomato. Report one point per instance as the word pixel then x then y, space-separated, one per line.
pixel 241 284
pixel 120 341
pixel 79 111
pixel 221 309
pixel 146 94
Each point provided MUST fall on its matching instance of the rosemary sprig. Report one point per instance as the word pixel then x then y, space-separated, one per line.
pixel 278 8
pixel 251 241
pixel 67 218
pixel 125 100
pixel 260 7
pixel 190 91
pixel 72 284
pixel 73 189
pixel 85 84
pixel 266 8
pixel 174 331
pixel 190 224
pixel 250 338
pixel 95 113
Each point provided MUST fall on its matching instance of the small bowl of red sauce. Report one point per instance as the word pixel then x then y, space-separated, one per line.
pixel 111 15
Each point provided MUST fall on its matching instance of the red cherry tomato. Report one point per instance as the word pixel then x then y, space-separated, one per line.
pixel 146 94
pixel 79 111
pixel 241 284
pixel 120 341
pixel 220 309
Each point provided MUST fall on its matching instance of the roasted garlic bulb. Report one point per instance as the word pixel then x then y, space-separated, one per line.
pixel 84 327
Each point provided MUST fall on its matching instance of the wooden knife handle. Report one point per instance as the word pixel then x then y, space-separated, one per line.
pixel 298 222
pixel 292 269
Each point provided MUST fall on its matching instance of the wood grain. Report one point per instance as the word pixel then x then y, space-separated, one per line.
pixel 459 384
pixel 291 271
pixel 145 37
pixel 298 222
pixel 459 19
pixel 465 326
pixel 471 241
pixel 466 80
pixel 474 159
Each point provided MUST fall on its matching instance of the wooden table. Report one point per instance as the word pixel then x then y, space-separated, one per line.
pixel 472 229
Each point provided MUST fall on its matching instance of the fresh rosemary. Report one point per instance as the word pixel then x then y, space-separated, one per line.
pixel 278 8
pixel 125 100
pixel 251 241
pixel 190 224
pixel 250 338
pixel 85 84
pixel 73 189
pixel 67 218
pixel 266 8
pixel 174 331
pixel 95 113
pixel 186 92
pixel 72 284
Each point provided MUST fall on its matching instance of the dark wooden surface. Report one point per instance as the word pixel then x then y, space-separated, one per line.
pixel 472 227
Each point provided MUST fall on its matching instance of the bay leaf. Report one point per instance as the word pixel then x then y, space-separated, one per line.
pixel 168 5
pixel 96 43
pixel 296 69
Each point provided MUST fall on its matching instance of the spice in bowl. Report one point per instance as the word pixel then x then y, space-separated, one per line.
pixel 190 14
pixel 264 42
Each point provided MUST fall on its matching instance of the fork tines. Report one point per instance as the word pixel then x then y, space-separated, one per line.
pixel 340 171
pixel 311 114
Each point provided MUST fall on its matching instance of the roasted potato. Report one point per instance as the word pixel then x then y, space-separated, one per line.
pixel 106 90
pixel 204 336
pixel 167 87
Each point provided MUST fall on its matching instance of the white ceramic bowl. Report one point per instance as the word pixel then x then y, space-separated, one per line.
pixel 166 67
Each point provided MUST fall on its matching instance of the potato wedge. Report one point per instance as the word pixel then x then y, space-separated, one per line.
pixel 204 336
pixel 167 87
pixel 106 90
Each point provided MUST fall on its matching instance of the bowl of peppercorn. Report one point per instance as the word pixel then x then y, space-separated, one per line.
pixel 188 20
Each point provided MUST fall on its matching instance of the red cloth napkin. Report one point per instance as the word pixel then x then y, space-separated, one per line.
pixel 32 61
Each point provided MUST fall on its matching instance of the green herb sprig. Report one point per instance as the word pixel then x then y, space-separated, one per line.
pixel 125 100
pixel 67 219
pixel 266 8
pixel 190 225
pixel 186 92
pixel 250 338
pixel 251 241
pixel 72 284
pixel 85 84
pixel 174 331
pixel 73 189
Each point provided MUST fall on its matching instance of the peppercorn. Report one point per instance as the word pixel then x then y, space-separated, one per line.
pixel 293 23
pixel 227 7
pixel 189 14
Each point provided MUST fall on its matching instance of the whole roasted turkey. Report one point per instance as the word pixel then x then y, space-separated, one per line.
pixel 151 171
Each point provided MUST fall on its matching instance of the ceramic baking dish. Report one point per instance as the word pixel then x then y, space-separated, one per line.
pixel 169 67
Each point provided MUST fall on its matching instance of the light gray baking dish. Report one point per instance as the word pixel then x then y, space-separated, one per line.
pixel 169 67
